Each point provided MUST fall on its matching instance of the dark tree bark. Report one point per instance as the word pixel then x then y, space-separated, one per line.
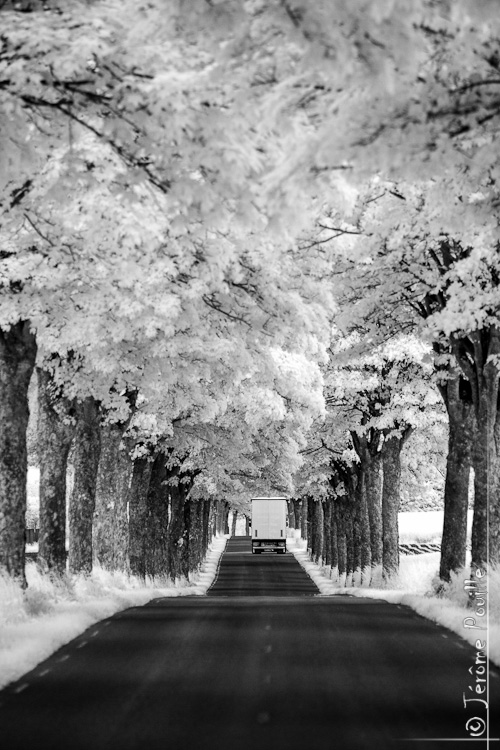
pixel 361 525
pixel 177 531
pixel 391 500
pixel 87 446
pixel 346 505
pixel 368 498
pixel 327 532
pixel 334 535
pixel 359 489
pixel 55 434
pixel 349 534
pixel 291 514
pixel 373 479
pixel 138 515
pixel 110 527
pixel 317 529
pixel 17 360
pixel 298 513
pixel 220 515
pixel 458 465
pixel 310 515
pixel 193 549
pixel 340 525
pixel 233 522
pixel 226 518
pixel 157 541
pixel 303 518
pixel 207 525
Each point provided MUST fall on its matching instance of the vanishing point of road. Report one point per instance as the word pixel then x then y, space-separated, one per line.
pixel 261 662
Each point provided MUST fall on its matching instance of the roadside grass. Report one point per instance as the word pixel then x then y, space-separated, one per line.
pixel 52 611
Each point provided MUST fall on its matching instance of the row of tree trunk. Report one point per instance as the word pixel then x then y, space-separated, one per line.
pixel 134 515
pixel 129 515
pixel 361 528
pixel 355 529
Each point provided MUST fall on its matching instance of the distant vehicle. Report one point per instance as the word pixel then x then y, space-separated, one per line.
pixel 269 519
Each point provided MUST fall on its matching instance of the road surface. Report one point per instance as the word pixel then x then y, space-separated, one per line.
pixel 261 662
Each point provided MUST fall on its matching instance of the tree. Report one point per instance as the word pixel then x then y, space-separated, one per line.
pixel 55 432
pixel 378 398
pixel 420 276
pixel 82 501
pixel 17 360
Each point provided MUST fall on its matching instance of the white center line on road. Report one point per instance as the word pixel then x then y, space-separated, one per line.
pixel 93 635
pixel 21 687
pixel 42 674
pixel 268 648
pixel 82 644
pixel 64 658
pixel 268 627
pixel 267 679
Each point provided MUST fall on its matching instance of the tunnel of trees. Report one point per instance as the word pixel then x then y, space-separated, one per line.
pixel 248 247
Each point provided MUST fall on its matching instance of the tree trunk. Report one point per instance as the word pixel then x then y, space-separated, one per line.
pixel 193 516
pixel 482 476
pixel 226 518
pixel 361 524
pixel 391 457
pixel 367 494
pixel 303 518
pixel 54 441
pixel 213 519
pixel 110 530
pixel 233 522
pixel 456 489
pixel 373 479
pixel 317 530
pixel 138 515
pixel 340 523
pixel 357 517
pixel 310 522
pixel 177 535
pixel 486 460
pixel 291 514
pixel 157 553
pixel 327 532
pixel 349 538
pixel 334 535
pixel 87 446
pixel 207 526
pixel 297 504
pixel 17 360
pixel 247 526
pixel 220 517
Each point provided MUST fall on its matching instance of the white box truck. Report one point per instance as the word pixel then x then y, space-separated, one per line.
pixel 269 520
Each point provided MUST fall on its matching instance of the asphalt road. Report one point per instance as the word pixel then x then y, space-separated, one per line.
pixel 249 666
